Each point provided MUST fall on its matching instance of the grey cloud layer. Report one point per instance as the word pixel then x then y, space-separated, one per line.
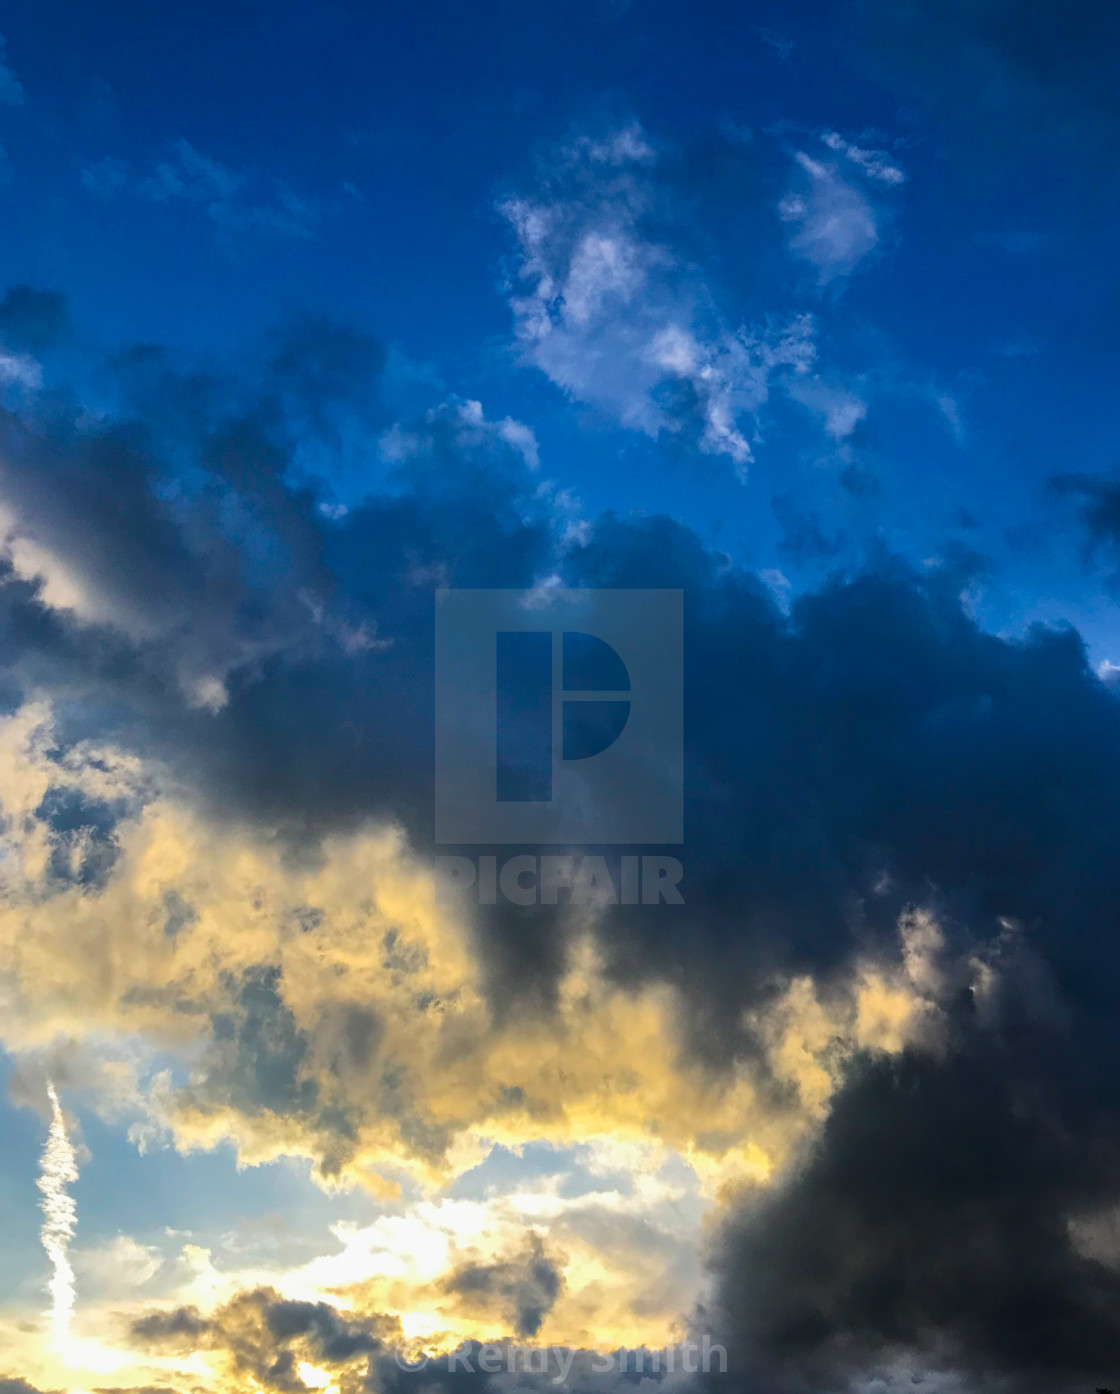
pixel 166 581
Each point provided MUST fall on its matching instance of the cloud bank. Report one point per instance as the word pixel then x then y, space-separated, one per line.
pixel 877 1037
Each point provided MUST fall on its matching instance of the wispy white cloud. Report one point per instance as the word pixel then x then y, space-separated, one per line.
pixel 876 164
pixel 58 1170
pixel 466 422
pixel 190 175
pixel 835 223
pixel 19 370
pixel 105 177
pixel 613 313
pixel 628 145
pixel 782 44
pixel 839 409
pixel 233 201
pixel 950 408
pixel 119 1267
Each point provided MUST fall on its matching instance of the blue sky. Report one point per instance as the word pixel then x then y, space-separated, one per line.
pixel 808 311
pixel 354 161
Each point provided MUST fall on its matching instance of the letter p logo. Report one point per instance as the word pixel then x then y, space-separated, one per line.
pixel 595 706
pixel 558 716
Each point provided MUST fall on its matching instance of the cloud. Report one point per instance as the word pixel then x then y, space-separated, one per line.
pixel 875 164
pixel 522 1289
pixel 900 1237
pixel 19 371
pixel 176 587
pixel 58 1170
pixel 280 1345
pixel 1098 511
pixel 839 409
pixel 614 314
pixel 262 1336
pixel 120 1267
pixel 11 90
pixel 834 224
pixel 782 44
pixel 878 1033
pixel 105 177
pixel 235 202
pixel 188 175
pixel 192 935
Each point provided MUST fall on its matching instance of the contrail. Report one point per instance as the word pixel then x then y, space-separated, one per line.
pixel 60 1216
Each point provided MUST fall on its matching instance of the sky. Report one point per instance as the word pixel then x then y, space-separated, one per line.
pixel 807 312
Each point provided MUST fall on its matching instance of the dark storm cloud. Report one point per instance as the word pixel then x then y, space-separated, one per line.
pixel 878 750
pixel 522 1289
pixel 266 1338
pixel 873 750
pixel 265 1335
pixel 878 738
pixel 225 618
pixel 1098 510
pixel 182 1325
pixel 803 537
pixel 933 1219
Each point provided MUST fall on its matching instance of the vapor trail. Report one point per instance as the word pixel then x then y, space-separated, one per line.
pixel 60 1216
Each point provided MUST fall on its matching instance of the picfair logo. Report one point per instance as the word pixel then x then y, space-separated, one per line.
pixel 559 716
